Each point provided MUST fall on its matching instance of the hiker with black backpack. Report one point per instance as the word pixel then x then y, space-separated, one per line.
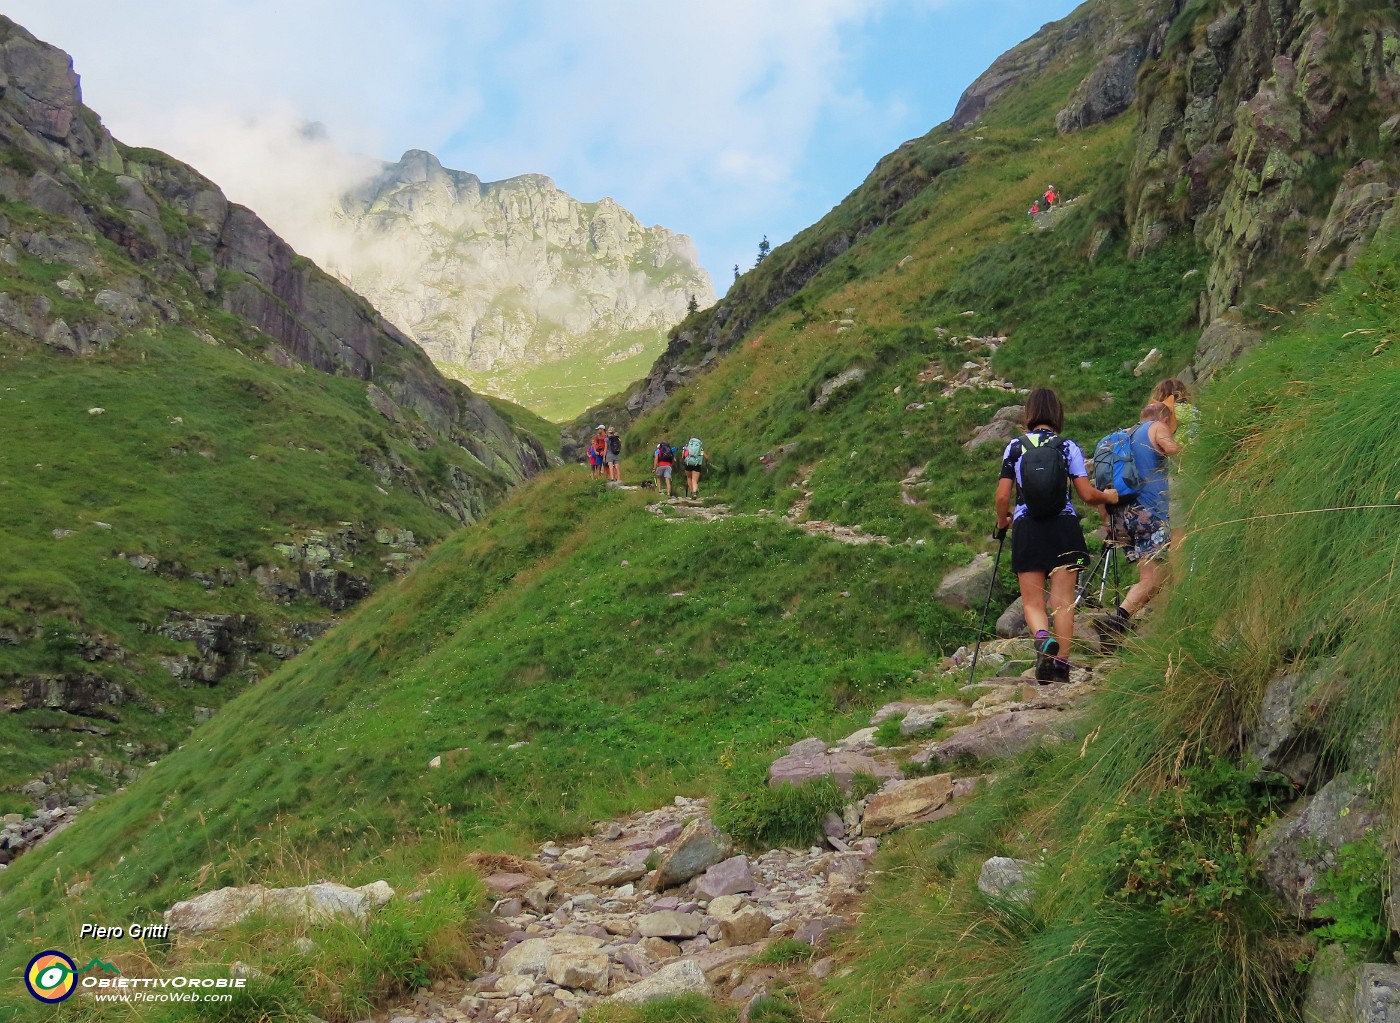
pixel 1047 541
pixel 1141 521
pixel 612 455
pixel 662 460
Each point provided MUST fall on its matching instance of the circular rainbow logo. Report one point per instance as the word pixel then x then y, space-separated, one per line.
pixel 51 976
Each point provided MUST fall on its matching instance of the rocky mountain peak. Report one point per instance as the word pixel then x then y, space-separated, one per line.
pixel 514 285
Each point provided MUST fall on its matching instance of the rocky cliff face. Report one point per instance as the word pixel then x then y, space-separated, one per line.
pixel 1269 130
pixel 312 437
pixel 492 278
pixel 167 218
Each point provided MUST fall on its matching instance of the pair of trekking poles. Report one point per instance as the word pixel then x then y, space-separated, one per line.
pixel 1105 565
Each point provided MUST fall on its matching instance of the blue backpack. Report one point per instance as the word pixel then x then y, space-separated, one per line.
pixel 1115 466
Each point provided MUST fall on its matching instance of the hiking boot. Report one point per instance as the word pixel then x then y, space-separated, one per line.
pixel 1059 669
pixel 1045 651
pixel 1112 631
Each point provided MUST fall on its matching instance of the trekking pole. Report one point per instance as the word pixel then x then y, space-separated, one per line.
pixel 982 629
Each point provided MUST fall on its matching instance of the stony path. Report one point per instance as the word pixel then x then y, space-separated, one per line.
pixel 683 509
pixel 658 903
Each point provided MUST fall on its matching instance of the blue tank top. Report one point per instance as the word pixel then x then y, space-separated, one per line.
pixel 1152 468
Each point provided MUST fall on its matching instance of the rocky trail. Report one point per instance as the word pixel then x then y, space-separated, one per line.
pixel 660 902
pixel 682 509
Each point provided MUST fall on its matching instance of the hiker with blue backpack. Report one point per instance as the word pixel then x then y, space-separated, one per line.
pixel 1047 541
pixel 1136 460
pixel 693 458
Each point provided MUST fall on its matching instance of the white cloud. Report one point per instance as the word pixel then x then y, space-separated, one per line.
pixel 697 115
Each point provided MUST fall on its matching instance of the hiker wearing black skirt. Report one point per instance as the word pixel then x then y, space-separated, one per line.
pixel 1047 541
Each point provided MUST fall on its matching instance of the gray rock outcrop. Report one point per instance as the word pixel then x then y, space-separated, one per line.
pixel 311 904
pixel 1287 735
pixel 1238 119
pixel 967 587
pixel 809 759
pixel 1294 851
pixel 1005 878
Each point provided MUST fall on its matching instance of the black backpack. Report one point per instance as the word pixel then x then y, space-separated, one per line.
pixel 665 453
pixel 615 444
pixel 1044 480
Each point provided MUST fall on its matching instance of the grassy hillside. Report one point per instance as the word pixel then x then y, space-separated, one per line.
pixel 636 657
pixel 557 389
pixel 211 447
pixel 639 657
pixel 200 462
pixel 1150 904
pixel 958 263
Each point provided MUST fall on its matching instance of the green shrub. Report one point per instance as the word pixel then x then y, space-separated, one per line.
pixel 1354 894
pixel 762 816
pixel 1184 851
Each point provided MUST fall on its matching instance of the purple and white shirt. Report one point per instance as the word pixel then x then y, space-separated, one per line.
pixel 1011 467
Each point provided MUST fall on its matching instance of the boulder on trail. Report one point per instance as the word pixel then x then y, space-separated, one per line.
pixel 967 587
pixel 678 978
pixel 700 847
pixel 906 802
pixel 809 759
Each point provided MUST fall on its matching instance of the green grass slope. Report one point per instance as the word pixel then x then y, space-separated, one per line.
pixel 202 459
pixel 715 643
pixel 1150 903
pixel 634 656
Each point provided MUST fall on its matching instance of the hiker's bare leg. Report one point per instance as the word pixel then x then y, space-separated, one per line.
pixel 1152 573
pixel 1033 600
pixel 1062 582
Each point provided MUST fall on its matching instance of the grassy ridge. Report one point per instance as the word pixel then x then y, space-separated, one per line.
pixel 1150 904
pixel 203 458
pixel 962 246
pixel 529 629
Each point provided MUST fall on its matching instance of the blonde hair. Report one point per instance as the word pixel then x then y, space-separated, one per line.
pixel 1170 388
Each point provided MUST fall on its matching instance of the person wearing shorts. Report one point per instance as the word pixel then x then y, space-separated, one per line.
pixel 612 455
pixel 597 451
pixel 662 461
pixel 1142 525
pixel 1050 548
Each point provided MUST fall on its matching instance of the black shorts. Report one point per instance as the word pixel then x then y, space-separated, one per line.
pixel 1043 545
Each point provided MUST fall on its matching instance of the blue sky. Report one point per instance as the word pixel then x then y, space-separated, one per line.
pixel 725 120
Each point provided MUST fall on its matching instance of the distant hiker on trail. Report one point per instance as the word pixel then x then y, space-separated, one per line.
pixel 598 449
pixel 662 459
pixel 611 456
pixel 1050 196
pixel 693 457
pixel 1035 208
pixel 1047 541
pixel 1141 524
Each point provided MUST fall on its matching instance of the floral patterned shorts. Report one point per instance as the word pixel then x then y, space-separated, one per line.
pixel 1144 535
